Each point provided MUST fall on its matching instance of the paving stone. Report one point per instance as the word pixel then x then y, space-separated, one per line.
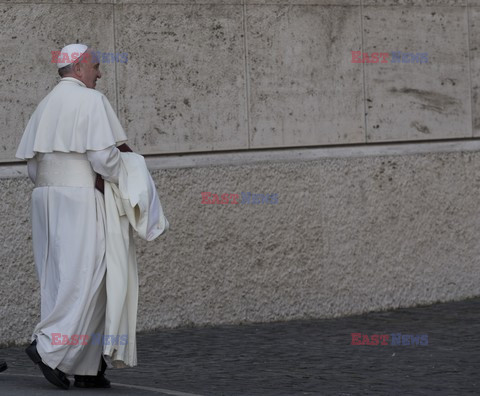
pixel 311 357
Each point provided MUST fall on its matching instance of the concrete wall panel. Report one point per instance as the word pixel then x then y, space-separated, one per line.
pixel 183 88
pixel 181 2
pixel 72 2
pixel 304 89
pixel 304 2
pixel 28 34
pixel 413 101
pixel 474 21
pixel 416 3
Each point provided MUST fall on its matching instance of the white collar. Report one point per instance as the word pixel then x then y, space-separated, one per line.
pixel 73 79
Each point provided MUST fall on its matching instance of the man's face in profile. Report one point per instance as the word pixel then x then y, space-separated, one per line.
pixel 88 69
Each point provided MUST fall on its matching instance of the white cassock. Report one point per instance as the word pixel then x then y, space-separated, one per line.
pixel 72 134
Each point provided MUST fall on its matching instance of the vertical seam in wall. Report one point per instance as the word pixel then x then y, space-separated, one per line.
pixel 469 67
pixel 115 81
pixel 247 74
pixel 363 73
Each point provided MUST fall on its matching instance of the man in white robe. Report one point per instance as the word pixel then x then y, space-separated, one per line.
pixel 71 137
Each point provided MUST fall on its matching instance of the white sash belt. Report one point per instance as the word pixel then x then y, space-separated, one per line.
pixel 64 170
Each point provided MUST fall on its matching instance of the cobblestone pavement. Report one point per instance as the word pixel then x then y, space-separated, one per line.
pixel 313 357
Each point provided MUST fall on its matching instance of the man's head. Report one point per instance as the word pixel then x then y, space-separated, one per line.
pixel 80 62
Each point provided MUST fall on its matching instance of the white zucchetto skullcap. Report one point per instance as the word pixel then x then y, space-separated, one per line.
pixel 70 53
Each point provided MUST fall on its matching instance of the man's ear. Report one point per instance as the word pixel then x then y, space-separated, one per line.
pixel 77 68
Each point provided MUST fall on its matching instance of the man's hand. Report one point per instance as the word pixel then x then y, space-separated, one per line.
pixel 99 182
pixel 124 148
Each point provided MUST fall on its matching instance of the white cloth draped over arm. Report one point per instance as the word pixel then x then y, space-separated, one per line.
pixel 106 162
pixel 32 169
pixel 132 204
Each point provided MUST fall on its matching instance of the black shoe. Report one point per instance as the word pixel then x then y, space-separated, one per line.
pixel 55 377
pixel 3 366
pixel 91 381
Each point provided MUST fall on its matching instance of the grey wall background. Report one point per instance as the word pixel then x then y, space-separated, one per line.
pixel 229 75
pixel 351 232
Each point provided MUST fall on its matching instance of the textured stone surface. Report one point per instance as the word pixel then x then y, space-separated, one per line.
pixel 348 235
pixel 304 89
pixel 413 101
pixel 19 293
pixel 459 3
pixel 181 2
pixel 474 20
pixel 73 2
pixel 303 2
pixel 28 34
pixel 209 75
pixel 183 88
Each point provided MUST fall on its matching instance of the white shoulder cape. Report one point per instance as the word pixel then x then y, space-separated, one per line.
pixel 133 204
pixel 71 118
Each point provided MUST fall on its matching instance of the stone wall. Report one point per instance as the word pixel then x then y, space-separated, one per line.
pixel 350 233
pixel 259 96
pixel 236 75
